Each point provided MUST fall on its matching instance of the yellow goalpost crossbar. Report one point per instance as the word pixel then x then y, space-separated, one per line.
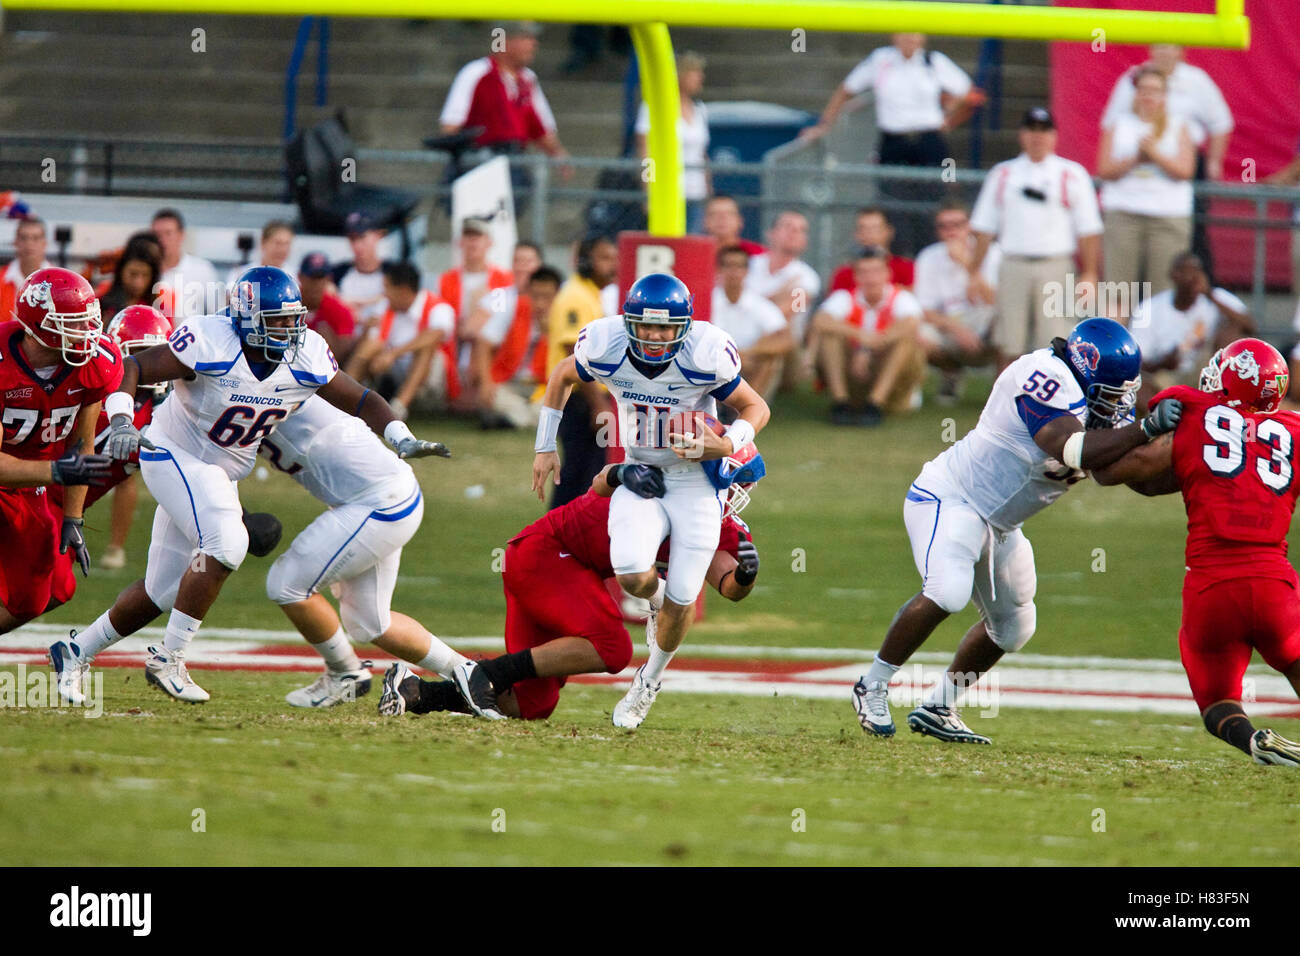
pixel 649 20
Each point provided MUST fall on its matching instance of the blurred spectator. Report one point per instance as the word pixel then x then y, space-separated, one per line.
pixel 400 354
pixel 501 94
pixel 723 223
pixel 781 276
pixel 327 313
pixel 693 134
pixel 29 255
pixel 869 344
pixel 510 353
pixel 872 229
pixel 1195 98
pixel 277 240
pixel 920 95
pixel 192 279
pixel 1289 175
pixel 137 279
pixel 498 305
pixel 1041 209
pixel 463 287
pixel 1147 160
pixel 761 332
pixel 587 45
pixel 1180 328
pixel 361 281
pixel 577 304
pixel 957 314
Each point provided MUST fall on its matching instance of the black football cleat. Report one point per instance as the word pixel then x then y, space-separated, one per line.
pixel 477 690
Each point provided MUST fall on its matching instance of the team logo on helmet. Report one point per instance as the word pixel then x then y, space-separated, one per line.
pixel 244 296
pixel 37 294
pixel 1085 356
pixel 1245 366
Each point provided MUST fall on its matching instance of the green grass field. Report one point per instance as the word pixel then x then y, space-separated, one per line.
pixel 708 779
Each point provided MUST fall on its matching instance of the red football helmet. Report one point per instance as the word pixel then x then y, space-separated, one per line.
pixel 140 327
pixel 1250 374
pixel 58 308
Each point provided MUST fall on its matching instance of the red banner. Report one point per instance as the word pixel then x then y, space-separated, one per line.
pixel 1260 84
pixel 690 258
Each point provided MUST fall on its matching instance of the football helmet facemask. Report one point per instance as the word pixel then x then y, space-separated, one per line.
pixel 58 308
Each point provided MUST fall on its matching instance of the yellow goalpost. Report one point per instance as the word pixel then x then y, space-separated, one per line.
pixel 648 20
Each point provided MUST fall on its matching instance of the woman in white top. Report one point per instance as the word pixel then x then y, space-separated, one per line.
pixel 693 131
pixel 1147 160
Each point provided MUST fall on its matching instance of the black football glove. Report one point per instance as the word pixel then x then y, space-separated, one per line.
pixel 75 469
pixel 264 532
pixel 1163 418
pixel 71 537
pixel 644 480
pixel 747 556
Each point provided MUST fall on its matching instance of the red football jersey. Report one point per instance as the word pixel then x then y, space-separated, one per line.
pixel 581 528
pixel 120 470
pixel 1237 473
pixel 38 414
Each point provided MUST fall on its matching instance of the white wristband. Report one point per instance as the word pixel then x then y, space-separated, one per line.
pixel 396 432
pixel 1073 453
pixel 119 403
pixel 741 434
pixel 548 427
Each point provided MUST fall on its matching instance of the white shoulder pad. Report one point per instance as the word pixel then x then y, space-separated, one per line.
pixel 208 344
pixel 1047 380
pixel 601 346
pixel 709 355
pixel 314 365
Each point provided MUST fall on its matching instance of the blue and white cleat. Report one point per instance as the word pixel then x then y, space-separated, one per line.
pixel 71 668
pixel 1273 749
pixel 943 724
pixel 166 670
pixel 871 701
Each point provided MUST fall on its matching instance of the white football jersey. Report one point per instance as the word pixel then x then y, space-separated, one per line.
pixel 337 458
pixel 225 411
pixel 997 466
pixel 705 369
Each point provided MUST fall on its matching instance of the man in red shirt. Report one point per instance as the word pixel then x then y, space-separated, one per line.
pixel 55 369
pixel 560 617
pixel 873 228
pixel 1233 458
pixel 723 223
pixel 327 313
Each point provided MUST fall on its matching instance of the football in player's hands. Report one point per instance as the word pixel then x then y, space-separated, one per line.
pixel 684 428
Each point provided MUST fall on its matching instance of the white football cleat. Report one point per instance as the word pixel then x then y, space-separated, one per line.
pixel 1268 747
pixel 166 670
pixel 632 710
pixel 332 688
pixel 871 701
pixel 65 658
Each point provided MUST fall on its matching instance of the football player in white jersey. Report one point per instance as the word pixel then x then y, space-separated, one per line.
pixel 1052 415
pixel 237 375
pixel 657 363
pixel 354 549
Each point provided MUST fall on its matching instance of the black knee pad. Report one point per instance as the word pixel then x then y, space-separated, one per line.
pixel 264 532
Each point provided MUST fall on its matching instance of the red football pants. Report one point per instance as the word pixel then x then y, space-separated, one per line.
pixel 32 572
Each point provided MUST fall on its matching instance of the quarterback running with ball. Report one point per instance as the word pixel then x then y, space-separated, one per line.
pixel 1052 415
pixel 657 363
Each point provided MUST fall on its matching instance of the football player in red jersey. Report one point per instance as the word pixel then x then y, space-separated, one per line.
pixel 1233 457
pixel 55 369
pixel 560 618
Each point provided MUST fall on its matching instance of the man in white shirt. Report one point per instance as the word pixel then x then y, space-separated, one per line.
pixel 192 279
pixel 361 284
pixel 1180 328
pixel 1041 209
pixel 781 276
pixel 761 332
pixel 869 344
pixel 920 95
pixel 957 315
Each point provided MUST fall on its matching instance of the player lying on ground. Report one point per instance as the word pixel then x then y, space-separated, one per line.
pixel 1233 459
pixel 353 549
pixel 1052 415
pixel 560 618
pixel 236 376
pixel 657 363
pixel 55 369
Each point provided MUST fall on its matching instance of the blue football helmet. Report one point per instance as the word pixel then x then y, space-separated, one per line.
pixel 262 293
pixel 657 299
pixel 1107 363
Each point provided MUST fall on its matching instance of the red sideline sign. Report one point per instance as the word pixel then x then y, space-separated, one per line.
pixel 690 258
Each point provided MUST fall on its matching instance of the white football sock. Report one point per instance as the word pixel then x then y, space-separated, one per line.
pixel 880 671
pixel 657 602
pixel 657 664
pixel 97 637
pixel 181 629
pixel 338 652
pixel 441 659
pixel 942 694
